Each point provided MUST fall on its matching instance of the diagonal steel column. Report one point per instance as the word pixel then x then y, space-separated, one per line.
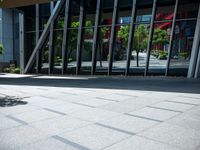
pixel 112 37
pixel 51 43
pixel 65 36
pixel 131 37
pixel 96 35
pixel 150 37
pixel 80 36
pixel 195 49
pixel 171 38
pixel 44 35
pixel 197 70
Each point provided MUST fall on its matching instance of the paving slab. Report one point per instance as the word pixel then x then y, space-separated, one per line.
pixel 187 100
pixel 94 114
pixel 17 109
pixel 94 137
pixel 59 125
pixel 7 123
pixel 129 123
pixel 141 143
pixel 19 136
pixel 68 108
pixel 94 102
pixel 129 105
pixel 47 144
pixel 36 115
pixel 173 106
pixel 156 114
pixel 186 120
pixel 174 135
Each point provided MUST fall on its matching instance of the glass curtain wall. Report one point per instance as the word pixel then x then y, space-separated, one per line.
pixel 73 34
pixel 104 37
pixel 161 37
pixel 29 29
pixel 183 37
pixel 86 56
pixel 141 38
pixel 122 28
pixel 159 45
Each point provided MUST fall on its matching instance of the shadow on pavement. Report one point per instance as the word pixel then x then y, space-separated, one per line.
pixel 8 101
pixel 166 84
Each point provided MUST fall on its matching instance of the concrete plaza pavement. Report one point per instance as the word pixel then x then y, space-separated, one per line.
pixel 99 113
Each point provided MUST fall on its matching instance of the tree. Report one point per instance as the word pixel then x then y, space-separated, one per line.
pixel 160 37
pixel 1 49
pixel 139 41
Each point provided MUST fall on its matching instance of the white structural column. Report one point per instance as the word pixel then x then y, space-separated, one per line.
pixel 21 44
pixel 195 49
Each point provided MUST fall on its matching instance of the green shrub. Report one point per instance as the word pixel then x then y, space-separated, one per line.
pixel 6 70
pixel 11 70
pixel 185 55
pixel 70 60
pixel 58 61
pixel 162 55
pixel 17 70
pixel 1 49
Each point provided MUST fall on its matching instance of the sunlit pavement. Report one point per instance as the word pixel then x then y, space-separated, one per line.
pixel 99 113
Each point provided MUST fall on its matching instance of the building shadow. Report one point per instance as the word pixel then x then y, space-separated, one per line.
pixel 10 101
pixel 151 83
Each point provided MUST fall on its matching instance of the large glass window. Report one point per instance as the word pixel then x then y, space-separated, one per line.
pixel 88 28
pixel 182 47
pixel 72 50
pixel 121 39
pixel 140 41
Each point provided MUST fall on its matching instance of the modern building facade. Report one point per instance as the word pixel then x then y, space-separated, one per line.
pixel 126 37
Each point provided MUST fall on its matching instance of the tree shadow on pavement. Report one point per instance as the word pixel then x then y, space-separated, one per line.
pixel 9 101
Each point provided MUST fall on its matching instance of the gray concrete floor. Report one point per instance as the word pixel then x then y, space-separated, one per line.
pixel 99 113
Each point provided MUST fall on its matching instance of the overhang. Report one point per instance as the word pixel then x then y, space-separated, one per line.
pixel 20 3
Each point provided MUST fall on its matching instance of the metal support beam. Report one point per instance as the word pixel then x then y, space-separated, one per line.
pixel 112 37
pixel 51 43
pixel 197 71
pixel 44 35
pixel 80 37
pixel 96 35
pixel 65 36
pixel 171 38
pixel 195 49
pixel 150 37
pixel 37 32
pixel 131 37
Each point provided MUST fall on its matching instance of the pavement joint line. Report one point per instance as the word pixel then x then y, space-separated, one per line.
pixel 190 97
pixel 73 144
pixel 107 99
pixel 68 93
pixel 126 95
pixel 45 97
pixel 115 129
pixel 142 117
pixel 17 120
pixel 88 90
pixel 182 103
pixel 165 109
pixel 84 105
pixel 54 111
pixel 42 89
